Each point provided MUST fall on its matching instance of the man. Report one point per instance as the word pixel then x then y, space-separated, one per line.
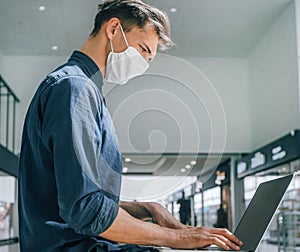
pixel 70 163
pixel 222 217
pixel 185 209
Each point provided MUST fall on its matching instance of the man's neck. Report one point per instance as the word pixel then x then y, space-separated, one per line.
pixel 96 49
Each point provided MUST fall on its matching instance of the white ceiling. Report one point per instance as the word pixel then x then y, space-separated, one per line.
pixel 223 28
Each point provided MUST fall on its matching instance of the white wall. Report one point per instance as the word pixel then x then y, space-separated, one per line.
pixel 7 192
pixel 273 87
pixel 23 74
pixel 148 188
pixel 1 62
pixel 297 13
pixel 230 78
pixel 177 108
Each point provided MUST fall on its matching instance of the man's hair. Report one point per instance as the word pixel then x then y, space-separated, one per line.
pixel 134 13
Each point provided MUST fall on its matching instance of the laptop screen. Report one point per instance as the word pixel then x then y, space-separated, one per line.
pixel 260 212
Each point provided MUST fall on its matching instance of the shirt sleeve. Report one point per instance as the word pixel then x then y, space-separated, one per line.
pixel 71 129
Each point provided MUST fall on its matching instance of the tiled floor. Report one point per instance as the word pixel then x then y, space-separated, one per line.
pixel 11 248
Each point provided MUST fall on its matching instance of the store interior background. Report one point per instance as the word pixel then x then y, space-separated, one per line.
pixel 248 50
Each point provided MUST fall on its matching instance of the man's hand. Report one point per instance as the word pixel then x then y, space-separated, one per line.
pixel 127 229
pixel 201 237
pixel 149 210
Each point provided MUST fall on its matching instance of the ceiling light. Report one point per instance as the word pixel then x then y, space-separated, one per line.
pixel 173 10
pixel 188 166
pixel 127 160
pixel 125 169
pixel 193 162
pixel 54 47
pixel 182 170
pixel 41 8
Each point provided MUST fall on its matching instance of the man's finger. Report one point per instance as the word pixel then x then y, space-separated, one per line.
pixel 215 240
pixel 225 232
pixel 226 241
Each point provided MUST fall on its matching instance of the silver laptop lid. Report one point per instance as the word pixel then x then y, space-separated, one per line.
pixel 260 212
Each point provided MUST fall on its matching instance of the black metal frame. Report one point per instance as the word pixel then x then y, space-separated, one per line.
pixel 9 241
pixel 5 91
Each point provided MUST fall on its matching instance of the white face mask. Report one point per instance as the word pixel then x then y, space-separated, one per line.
pixel 123 66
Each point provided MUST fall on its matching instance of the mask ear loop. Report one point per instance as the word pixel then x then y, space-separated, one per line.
pixel 111 46
pixel 124 35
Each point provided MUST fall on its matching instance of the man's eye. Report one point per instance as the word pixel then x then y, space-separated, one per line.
pixel 143 49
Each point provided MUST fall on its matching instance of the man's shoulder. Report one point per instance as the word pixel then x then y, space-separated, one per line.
pixel 66 72
pixel 66 76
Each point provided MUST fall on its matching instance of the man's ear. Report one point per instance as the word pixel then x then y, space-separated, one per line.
pixel 111 28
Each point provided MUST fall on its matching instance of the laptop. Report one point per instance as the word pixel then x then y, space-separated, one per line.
pixel 258 215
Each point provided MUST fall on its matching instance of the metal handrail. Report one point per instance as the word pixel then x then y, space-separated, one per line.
pixel 9 241
pixel 9 89
pixel 6 91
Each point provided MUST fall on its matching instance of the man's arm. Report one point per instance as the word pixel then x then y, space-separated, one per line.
pixel 150 210
pixel 73 135
pixel 127 229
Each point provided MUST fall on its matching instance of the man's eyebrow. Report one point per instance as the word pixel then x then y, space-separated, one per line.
pixel 148 49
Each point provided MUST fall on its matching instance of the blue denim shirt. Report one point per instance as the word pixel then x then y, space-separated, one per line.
pixel 70 164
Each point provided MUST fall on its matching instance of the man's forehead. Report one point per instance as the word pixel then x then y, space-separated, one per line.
pixel 147 28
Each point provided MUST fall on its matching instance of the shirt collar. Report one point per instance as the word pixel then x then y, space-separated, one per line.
pixel 88 66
